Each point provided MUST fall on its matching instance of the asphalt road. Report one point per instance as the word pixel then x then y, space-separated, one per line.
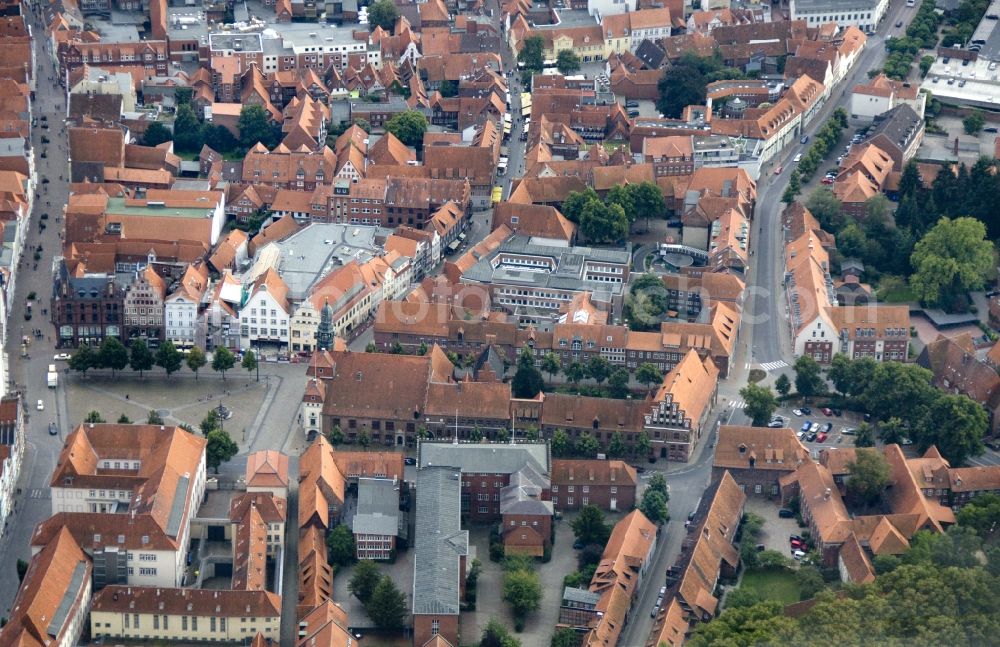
pixel 33 504
pixel 765 325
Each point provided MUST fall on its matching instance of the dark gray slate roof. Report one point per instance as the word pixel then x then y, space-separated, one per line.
pixel 439 541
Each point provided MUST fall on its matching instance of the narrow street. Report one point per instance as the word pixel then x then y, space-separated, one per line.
pixel 28 374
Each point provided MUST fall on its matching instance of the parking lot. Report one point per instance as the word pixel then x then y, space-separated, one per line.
pixel 834 437
pixel 776 530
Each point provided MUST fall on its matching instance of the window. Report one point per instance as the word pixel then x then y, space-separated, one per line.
pixel 569 501
pixel 435 627
pixel 184 623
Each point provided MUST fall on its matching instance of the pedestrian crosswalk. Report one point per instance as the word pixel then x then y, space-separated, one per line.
pixel 38 493
pixel 739 404
pixel 774 366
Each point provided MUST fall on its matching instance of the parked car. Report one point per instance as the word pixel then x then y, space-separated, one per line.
pixel 53 429
pixel 796 543
pixel 827 180
pixel 633 113
pixel 828 427
pixel 811 437
pixel 899 23
pixel 849 431
pixel 797 158
pixel 804 140
pixel 815 428
pixel 806 411
pixel 797 412
pixel 798 554
pixel 409 460
pixel 902 441
pixel 41 405
pixel 821 437
pixel 806 425
pixel 631 104
pixel 775 424
pixel 778 170
pixel 837 412
pixel 799 537
pixel 785 513
pixel 827 411
pixel 61 357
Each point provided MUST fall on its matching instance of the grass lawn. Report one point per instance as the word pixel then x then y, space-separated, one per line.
pixel 902 294
pixel 773 584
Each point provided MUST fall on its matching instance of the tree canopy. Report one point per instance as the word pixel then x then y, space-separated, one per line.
pixel 220 448
pixel 409 127
pixel 869 476
pixel 531 54
pixel 527 382
pixel 760 403
pixel 567 62
pixel 953 257
pixel 384 14
pixel 255 126
pixel 589 526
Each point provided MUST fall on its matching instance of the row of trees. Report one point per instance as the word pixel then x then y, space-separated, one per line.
pixel 824 142
pixel 921 33
pixel 114 355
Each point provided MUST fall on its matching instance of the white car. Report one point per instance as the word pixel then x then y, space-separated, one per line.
pixel 797 412
pixel 41 405
pixel 798 554
pixel 61 357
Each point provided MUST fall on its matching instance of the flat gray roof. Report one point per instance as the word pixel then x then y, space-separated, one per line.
pixel 439 541
pixel 317 249
pixel 487 458
pixel 830 6
pixel 378 507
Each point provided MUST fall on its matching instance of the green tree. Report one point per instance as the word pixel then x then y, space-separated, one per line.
pixel 156 134
pixel 751 625
pixel 682 85
pixel 658 483
pixel 422 349
pixel 589 526
pixel 187 130
pixel 574 372
pixel 83 359
pixel 527 382
pixel 112 355
pixel 951 259
pixel 647 374
pixel 195 360
pixel 567 62
pixel 841 373
pixel 125 420
pixel 618 382
pixel 364 440
pixel 560 444
pixel 153 418
pixel 183 96
pixel 336 436
pixel 522 589
pixel 982 514
pixel 617 447
pixel 868 477
pixel 793 188
pixel 223 360
pixel 218 138
pixel 250 363
pixel 551 365
pixel 140 357
pixel 620 195
pixel 827 209
pixel 783 385
pixel 587 445
pixel 599 368
pixel 210 422
pixel 255 127
pixel 564 637
pixel 531 52
pixel 572 206
pixel 810 581
pixel 387 607
pixel 384 14
pixel 647 200
pixel 409 127
pixel 654 506
pixel 974 122
pixel 497 635
pixel 956 424
pixel 760 403
pixel 864 436
pixel 94 417
pixel 892 383
pixel 808 377
pixel 219 449
pixel 169 358
pixel 603 223
pixel 643 445
pixel 340 545
pixel 364 579
pixel 885 564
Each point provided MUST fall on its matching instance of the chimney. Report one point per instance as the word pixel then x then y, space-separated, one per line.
pixel 826 494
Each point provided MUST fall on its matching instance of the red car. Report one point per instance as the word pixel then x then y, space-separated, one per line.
pixel 778 170
pixel 826 411
pixel 826 180
pixel 796 544
pixel 821 437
